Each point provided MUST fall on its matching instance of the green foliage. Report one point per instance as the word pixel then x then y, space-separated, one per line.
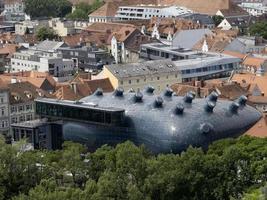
pixel 259 29
pixel 83 10
pixel 217 19
pixel 230 169
pixel 47 8
pixel 46 33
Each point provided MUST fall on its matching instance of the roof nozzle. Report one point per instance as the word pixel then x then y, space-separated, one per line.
pixel 138 97
pixel 242 100
pixel 193 93
pixel 168 92
pixel 118 92
pixel 179 110
pixel 210 106
pixel 188 98
pixel 131 90
pixel 234 107
pixel 98 92
pixel 150 90
pixel 206 128
pixel 213 96
pixel 158 103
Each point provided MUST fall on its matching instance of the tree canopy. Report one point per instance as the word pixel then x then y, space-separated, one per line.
pixel 83 9
pixel 259 29
pixel 47 8
pixel 217 19
pixel 46 33
pixel 229 169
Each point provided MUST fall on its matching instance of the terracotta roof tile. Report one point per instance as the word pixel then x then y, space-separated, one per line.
pixel 253 61
pixel 252 80
pixel 259 129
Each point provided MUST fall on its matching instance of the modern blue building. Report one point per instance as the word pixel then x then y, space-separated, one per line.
pixel 164 123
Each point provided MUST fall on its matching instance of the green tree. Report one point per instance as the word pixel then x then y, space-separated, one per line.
pixel 259 29
pixel 217 19
pixel 47 8
pixel 46 33
pixel 84 9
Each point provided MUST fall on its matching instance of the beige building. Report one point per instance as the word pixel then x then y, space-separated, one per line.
pixel 62 27
pixel 159 74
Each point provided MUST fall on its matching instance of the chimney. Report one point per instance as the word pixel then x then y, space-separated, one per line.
pixel 74 87
pixel 13 80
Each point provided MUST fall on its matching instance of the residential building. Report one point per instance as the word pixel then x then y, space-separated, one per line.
pixel 158 74
pixel 255 8
pixel 204 20
pixel 81 86
pixel 256 85
pixel 43 60
pixel 105 13
pixel 233 12
pixel 87 58
pixel 62 27
pixel 148 11
pixel 14 10
pixel 165 28
pixel 41 80
pixel 4 109
pixel 240 23
pixel 30 26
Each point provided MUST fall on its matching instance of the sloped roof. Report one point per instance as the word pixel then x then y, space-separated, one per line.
pixel 22 90
pixel 252 80
pixel 48 45
pixel 259 129
pixel 189 38
pixel 109 9
pixel 235 54
pixel 253 61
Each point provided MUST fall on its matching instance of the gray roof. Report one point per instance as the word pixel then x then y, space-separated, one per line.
pixel 188 38
pixel 142 69
pixel 167 66
pixel 48 45
pixel 201 18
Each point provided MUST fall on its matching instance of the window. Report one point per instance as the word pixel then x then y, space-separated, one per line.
pixel 158 78
pixel 2 100
pixel 121 82
pixel 137 80
pixel 129 81
pixel 21 108
pixel 3 111
pixel 28 107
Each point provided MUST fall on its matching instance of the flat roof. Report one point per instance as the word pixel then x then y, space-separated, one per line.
pixel 168 66
pixel 78 104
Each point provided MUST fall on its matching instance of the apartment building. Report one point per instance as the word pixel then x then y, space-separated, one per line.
pixel 28 60
pixel 148 11
pixel 4 109
pixel 158 74
pixel 14 10
pixel 255 8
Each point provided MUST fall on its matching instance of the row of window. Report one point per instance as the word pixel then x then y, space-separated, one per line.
pixel 21 118
pixel 4 124
pixel 210 68
pixel 151 79
pixel 21 108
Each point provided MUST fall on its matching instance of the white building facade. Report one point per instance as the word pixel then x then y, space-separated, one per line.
pixel 14 11
pixel 30 60
pixel 4 111
pixel 255 8
pixel 147 12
